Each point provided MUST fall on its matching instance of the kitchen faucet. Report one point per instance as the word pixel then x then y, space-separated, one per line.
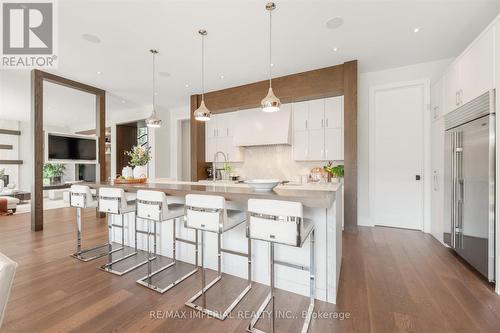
pixel 215 161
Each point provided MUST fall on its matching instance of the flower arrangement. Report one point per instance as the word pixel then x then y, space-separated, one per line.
pixel 139 156
pixel 335 171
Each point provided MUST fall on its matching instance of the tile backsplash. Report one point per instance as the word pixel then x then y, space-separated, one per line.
pixel 272 162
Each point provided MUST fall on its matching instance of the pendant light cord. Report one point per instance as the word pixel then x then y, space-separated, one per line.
pixel 154 85
pixel 202 67
pixel 270 48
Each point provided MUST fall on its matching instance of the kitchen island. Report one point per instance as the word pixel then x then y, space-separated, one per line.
pixel 322 204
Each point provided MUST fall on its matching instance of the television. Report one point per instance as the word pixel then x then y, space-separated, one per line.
pixel 69 148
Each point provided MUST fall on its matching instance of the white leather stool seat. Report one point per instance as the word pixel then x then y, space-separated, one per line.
pixel 278 221
pixel 209 213
pixel 7 272
pixel 81 196
pixel 116 201
pixel 148 206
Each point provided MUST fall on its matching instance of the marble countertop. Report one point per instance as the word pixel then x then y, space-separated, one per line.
pixel 310 195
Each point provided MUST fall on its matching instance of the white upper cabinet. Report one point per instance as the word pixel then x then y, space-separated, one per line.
pixel 318 129
pixel 300 116
pixel 437 97
pixel 477 67
pixel 334 112
pixel 219 131
pixel 472 73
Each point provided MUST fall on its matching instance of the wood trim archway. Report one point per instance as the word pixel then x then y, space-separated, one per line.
pixel 325 82
pixel 37 79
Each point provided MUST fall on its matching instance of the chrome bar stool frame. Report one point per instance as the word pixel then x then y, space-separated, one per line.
pixel 312 279
pixel 204 287
pixel 108 267
pixel 79 204
pixel 147 280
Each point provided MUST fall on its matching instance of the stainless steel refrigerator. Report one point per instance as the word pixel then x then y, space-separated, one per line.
pixel 469 224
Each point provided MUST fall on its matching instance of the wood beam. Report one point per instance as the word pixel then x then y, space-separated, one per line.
pixel 38 78
pixel 197 142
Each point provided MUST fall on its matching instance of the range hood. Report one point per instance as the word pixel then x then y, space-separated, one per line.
pixel 257 128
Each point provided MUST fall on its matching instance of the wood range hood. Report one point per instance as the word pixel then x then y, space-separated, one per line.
pixel 320 83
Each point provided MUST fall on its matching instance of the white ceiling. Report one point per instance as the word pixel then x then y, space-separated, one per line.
pixel 379 33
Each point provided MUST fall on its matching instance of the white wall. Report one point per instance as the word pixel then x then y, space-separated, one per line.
pixel 176 115
pixel 430 71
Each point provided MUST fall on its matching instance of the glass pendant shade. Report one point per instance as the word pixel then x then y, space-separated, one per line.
pixel 270 103
pixel 202 113
pixel 153 120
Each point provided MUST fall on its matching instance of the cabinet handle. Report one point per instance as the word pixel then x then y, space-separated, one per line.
pixel 306 123
pixel 326 122
pixel 326 154
pixel 227 131
pixel 456 99
pixel 322 121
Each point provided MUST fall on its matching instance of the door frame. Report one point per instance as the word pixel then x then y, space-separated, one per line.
pixel 426 144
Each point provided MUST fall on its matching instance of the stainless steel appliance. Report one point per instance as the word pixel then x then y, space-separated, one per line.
pixel 469 226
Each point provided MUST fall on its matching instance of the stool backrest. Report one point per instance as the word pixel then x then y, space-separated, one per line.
pixel 80 196
pixel 205 212
pixel 112 200
pixel 275 221
pixel 152 205
pixel 7 272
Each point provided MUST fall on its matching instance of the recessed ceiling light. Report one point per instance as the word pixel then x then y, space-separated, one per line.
pixel 186 85
pixel 416 30
pixel 335 49
pixel 272 65
pixel 98 72
pixel 91 38
pixel 123 101
pixel 335 22
pixel 222 76
pixel 156 94
pixel 164 74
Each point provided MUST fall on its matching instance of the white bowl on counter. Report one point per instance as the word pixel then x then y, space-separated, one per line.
pixel 263 185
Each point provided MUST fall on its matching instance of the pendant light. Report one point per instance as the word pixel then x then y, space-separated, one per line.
pixel 202 113
pixel 270 103
pixel 153 120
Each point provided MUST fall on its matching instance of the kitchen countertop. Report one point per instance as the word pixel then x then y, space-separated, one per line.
pixel 310 195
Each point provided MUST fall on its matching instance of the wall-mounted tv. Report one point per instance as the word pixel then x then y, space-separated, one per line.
pixel 69 148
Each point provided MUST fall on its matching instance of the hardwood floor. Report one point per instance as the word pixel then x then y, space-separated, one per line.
pixel 392 280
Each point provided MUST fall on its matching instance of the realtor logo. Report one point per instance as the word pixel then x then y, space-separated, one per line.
pixel 28 34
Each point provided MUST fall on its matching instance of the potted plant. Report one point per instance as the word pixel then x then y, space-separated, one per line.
pixel 52 173
pixel 139 159
pixel 337 172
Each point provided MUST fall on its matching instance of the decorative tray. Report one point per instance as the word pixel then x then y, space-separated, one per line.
pixel 130 181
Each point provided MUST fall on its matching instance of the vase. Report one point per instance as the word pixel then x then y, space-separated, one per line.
pixel 141 171
pixel 127 172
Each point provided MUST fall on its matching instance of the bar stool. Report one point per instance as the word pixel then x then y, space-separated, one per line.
pixel 81 197
pixel 281 222
pixel 114 201
pixel 208 213
pixel 153 207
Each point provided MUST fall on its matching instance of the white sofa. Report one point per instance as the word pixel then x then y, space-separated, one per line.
pixel 7 272
pixel 11 203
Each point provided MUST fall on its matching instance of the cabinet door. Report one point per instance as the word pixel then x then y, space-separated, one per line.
pixel 452 87
pixel 316 114
pixel 437 92
pixel 334 110
pixel 300 116
pixel 316 145
pixel 210 148
pixel 334 144
pixel 223 124
pixel 477 68
pixel 300 145
pixel 211 127
pixel 231 123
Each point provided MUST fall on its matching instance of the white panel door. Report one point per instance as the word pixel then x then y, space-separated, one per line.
pixel 334 112
pixel 300 145
pixel 316 114
pixel 211 127
pixel 316 145
pixel 437 165
pixel 300 115
pixel 477 68
pixel 396 155
pixel 334 144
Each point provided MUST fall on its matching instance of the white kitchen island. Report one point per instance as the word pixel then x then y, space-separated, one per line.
pixel 322 204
